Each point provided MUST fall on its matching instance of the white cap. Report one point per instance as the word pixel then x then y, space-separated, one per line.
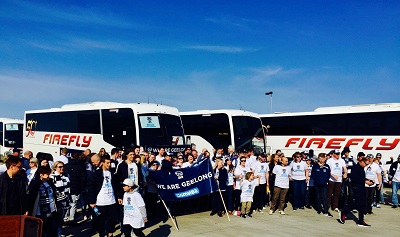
pixel 128 182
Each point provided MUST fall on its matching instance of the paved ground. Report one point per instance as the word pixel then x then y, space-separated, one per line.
pixel 385 222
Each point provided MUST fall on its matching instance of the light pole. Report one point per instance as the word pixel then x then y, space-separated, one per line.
pixel 270 93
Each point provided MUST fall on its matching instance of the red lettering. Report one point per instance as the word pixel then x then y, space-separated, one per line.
pixel 334 143
pixel 388 146
pixel 71 139
pixel 86 141
pixel 303 140
pixel 317 141
pixel 77 141
pixel 46 137
pixel 366 144
pixel 64 139
pixel 292 141
pixel 354 141
pixel 56 139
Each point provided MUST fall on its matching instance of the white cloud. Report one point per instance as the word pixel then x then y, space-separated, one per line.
pixel 220 49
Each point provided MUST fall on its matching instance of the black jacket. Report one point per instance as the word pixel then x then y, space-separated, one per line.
pixel 33 191
pixel 392 170
pixel 357 176
pixel 77 175
pixel 20 192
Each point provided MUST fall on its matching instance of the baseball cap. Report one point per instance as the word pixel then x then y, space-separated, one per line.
pixel 378 155
pixel 305 152
pixel 346 149
pixel 263 155
pixel 128 182
pixel 370 156
pixel 336 151
pixel 361 153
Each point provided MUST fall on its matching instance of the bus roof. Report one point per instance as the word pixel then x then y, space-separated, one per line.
pixel 9 120
pixel 137 107
pixel 364 108
pixel 231 112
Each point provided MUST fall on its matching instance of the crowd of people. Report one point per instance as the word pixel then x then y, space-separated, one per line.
pixel 115 187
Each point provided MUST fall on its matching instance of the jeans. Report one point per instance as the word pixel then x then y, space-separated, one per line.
pixel 299 190
pixel 359 203
pixel 395 188
pixel 320 196
pixel 229 194
pixel 72 207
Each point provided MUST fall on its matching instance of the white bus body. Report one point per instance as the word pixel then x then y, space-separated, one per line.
pixel 371 129
pixel 106 125
pixel 11 133
pixel 221 128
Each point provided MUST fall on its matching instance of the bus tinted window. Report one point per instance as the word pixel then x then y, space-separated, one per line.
pixel 247 129
pixel 1 134
pixel 212 127
pixel 372 123
pixel 13 135
pixel 69 122
pixel 163 130
pixel 119 127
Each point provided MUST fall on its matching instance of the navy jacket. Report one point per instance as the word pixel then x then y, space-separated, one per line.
pixel 320 174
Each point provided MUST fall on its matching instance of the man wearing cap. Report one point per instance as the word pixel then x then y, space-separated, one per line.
pixel 346 192
pixel 338 172
pixel 394 180
pixel 373 174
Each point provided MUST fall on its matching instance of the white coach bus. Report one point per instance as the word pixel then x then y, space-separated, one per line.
pixel 106 125
pixel 11 133
pixel 371 128
pixel 221 128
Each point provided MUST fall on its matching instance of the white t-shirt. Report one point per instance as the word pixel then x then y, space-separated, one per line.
pixel 371 172
pixel 396 176
pixel 248 190
pixel 250 161
pixel 336 168
pixel 159 159
pixel 186 164
pixel 133 172
pixel 310 182
pixel 298 170
pixel 260 169
pixel 132 216
pixel 239 170
pixel 282 176
pixel 106 195
pixel 63 159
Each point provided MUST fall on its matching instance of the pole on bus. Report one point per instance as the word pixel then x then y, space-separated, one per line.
pixel 169 213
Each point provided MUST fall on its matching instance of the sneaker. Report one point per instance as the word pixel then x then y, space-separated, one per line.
pixel 294 209
pixel 243 215
pixel 302 208
pixel 260 211
pixel 264 208
pixel 336 209
pixel 394 206
pixel 378 206
pixel 342 219
pixel 318 212
pixel 328 214
pixel 271 212
pixel 249 215
pixel 308 207
pixel 363 224
pixel 282 213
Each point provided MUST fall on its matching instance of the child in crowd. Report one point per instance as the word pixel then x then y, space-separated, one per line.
pixel 246 197
pixel 134 210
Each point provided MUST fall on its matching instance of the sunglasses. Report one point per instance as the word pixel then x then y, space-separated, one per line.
pixel 60 167
pixel 242 160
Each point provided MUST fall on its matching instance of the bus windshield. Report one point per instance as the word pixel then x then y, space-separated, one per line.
pixel 13 135
pixel 249 133
pixel 160 129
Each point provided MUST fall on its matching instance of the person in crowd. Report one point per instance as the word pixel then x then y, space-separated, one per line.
pixel 3 167
pixel 102 152
pixel 13 188
pixel 115 159
pixel 231 152
pixel 128 168
pixel 394 181
pixel 346 193
pixel 160 156
pixel 372 173
pixel 141 181
pixel 239 173
pixel 179 164
pixel 135 215
pixel 44 162
pixel 308 197
pixel 104 194
pixel 189 162
pixel 151 196
pixel 282 175
pixel 62 183
pixel 275 160
pixel 166 163
pixel 299 178
pixel 221 175
pixel 379 199
pixel 63 156
pixel 77 176
pixel 26 159
pixel 260 169
pixel 246 197
pixel 230 185
pixel 358 182
pixel 195 155
pixel 42 202
pixel 338 172
pixel 30 173
pixel 321 174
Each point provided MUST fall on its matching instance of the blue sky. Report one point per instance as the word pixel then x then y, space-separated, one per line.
pixel 199 54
